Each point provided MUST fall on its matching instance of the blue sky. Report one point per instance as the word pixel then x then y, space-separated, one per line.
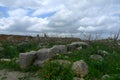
pixel 59 16
pixel 3 11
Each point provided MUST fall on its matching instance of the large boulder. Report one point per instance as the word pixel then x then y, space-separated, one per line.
pixel 96 57
pixel 44 54
pixel 80 68
pixel 27 59
pixel 75 45
pixel 59 49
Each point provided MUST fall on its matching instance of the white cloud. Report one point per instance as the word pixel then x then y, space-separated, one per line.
pixel 71 16
pixel 26 24
pixel 18 3
pixel 5 23
pixel 18 13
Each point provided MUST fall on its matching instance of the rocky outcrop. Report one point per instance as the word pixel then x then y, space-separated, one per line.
pixel 41 56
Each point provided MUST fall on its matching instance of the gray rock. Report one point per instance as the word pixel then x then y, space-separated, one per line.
pixel 75 45
pixel 79 43
pixel 71 47
pixel 40 63
pixel 59 49
pixel 104 77
pixel 96 57
pixel 79 48
pixel 27 59
pixel 77 78
pixel 118 43
pixel 80 68
pixel 6 60
pixel 103 53
pixel 44 54
pixel 66 57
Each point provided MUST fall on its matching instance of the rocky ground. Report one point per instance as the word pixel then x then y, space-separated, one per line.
pixel 15 75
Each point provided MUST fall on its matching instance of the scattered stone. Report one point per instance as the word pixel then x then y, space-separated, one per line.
pixel 44 54
pixel 104 77
pixel 69 52
pixel 66 57
pixel 80 68
pixel 79 43
pixel 118 43
pixel 59 49
pixel 77 78
pixel 75 45
pixel 79 48
pixel 17 61
pixel 96 57
pixel 58 55
pixel 71 47
pixel 103 53
pixel 6 60
pixel 27 59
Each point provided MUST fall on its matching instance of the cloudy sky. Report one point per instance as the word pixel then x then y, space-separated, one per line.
pixel 59 16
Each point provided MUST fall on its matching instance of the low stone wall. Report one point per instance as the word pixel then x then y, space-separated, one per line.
pixel 41 56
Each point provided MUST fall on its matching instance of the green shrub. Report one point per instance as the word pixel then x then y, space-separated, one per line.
pixel 10 65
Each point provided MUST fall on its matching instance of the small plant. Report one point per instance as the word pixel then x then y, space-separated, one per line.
pixel 55 71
